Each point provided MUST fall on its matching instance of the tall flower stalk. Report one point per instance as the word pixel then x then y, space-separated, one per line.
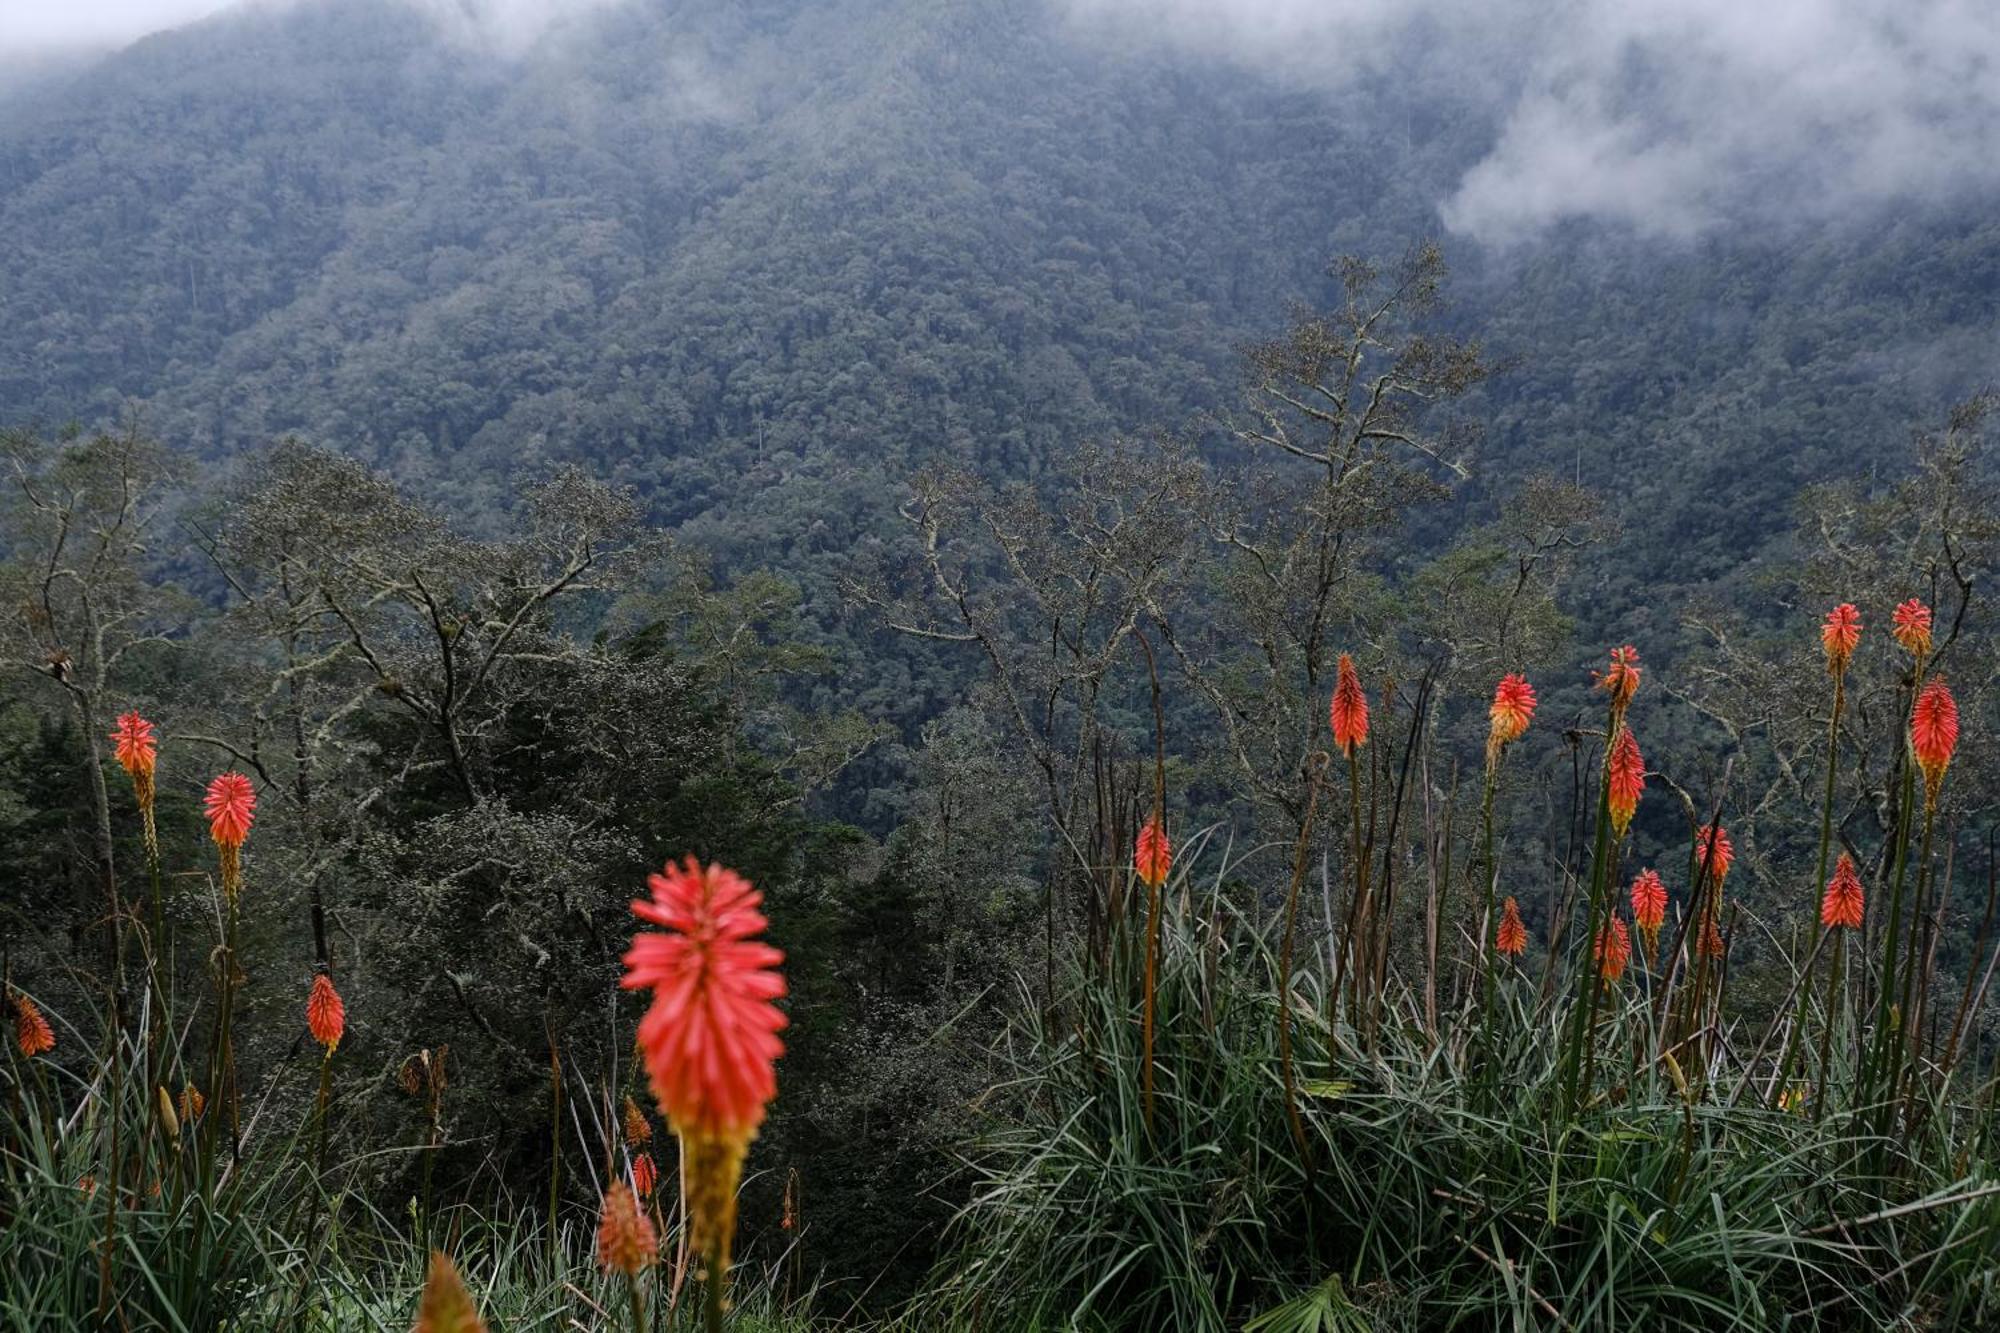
pixel 1620 683
pixel 1839 635
pixel 709 1038
pixel 1347 716
pixel 1508 718
pixel 231 805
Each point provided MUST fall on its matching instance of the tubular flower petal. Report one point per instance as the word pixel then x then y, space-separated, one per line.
pixel 1627 771
pixel 1714 854
pixel 32 1033
pixel 709 1039
pixel 1153 855
pixel 445 1307
pixel 1934 734
pixel 1649 903
pixel 326 1016
pixel 626 1242
pixel 638 1129
pixel 231 803
pixel 1349 711
pixel 1512 936
pixel 1842 904
pixel 644 1175
pixel 1621 678
pixel 1513 708
pixel 1839 635
pixel 1911 627
pixel 1613 949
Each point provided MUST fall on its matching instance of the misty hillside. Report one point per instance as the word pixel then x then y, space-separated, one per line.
pixel 761 259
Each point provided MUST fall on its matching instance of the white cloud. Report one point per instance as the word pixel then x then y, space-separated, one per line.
pixel 1664 115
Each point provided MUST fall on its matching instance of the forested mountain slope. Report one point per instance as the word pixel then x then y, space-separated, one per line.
pixel 761 260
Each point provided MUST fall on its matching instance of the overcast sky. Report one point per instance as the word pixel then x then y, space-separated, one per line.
pixel 1667 116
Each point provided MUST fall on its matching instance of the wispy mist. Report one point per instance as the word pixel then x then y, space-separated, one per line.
pixel 1669 116
pixel 30 27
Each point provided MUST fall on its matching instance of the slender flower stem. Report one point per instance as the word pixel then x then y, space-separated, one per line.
pixel 1819 884
pixel 1319 763
pixel 1490 872
pixel 638 1303
pixel 1583 1022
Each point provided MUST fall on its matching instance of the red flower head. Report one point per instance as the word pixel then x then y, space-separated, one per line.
pixel 710 1036
pixel 1649 903
pixel 1839 635
pixel 1153 856
pixel 134 744
pixel 637 1128
pixel 1512 936
pixel 1934 734
pixel 644 1175
pixel 1911 626
pixel 326 1016
pixel 1842 904
pixel 32 1032
pixel 1614 949
pixel 1621 678
pixel 626 1242
pixel 1513 708
pixel 1349 713
pixel 1627 776
pixel 445 1306
pixel 1713 852
pixel 231 803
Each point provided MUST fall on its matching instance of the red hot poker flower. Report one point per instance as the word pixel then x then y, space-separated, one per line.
pixel 1627 778
pixel 32 1033
pixel 709 1039
pixel 1842 904
pixel 1911 627
pixel 1513 708
pixel 637 1128
pixel 1349 711
pixel 445 1306
pixel 626 1241
pixel 644 1175
pixel 1512 936
pixel 134 745
pixel 1709 944
pixel 1934 734
pixel 1621 678
pixel 1614 949
pixel 231 803
pixel 1714 853
pixel 1153 855
pixel 326 1016
pixel 1839 635
pixel 1649 903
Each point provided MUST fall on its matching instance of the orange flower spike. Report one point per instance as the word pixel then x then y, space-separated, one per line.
pixel 1911 626
pixel 1709 944
pixel 1839 635
pixel 1153 855
pixel 1621 679
pixel 135 747
pixel 709 1039
pixel 1349 711
pixel 1512 936
pixel 1628 780
pixel 1649 903
pixel 1513 708
pixel 1613 950
pixel 1934 735
pixel 32 1033
pixel 231 803
pixel 326 1016
pixel 645 1175
pixel 1843 903
pixel 637 1128
pixel 626 1242
pixel 445 1306
pixel 1714 852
